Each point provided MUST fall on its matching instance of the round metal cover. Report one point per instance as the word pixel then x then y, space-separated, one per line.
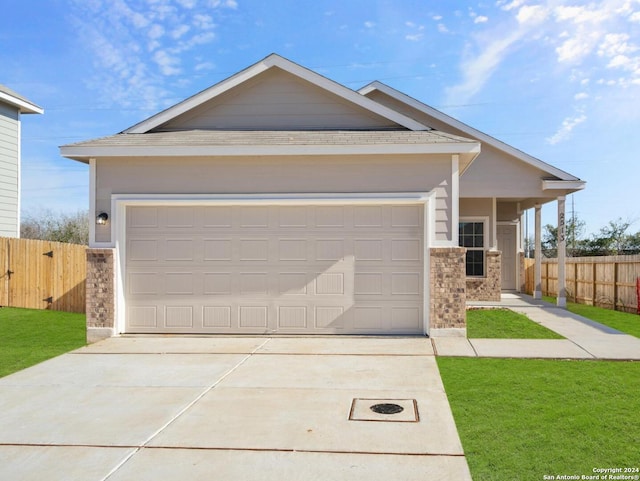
pixel 387 408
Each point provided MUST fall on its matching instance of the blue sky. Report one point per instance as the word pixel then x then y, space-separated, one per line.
pixel 557 79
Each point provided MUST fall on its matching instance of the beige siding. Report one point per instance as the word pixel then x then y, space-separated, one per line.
pixel 255 175
pixel 508 212
pixel 494 174
pixel 9 170
pixel 276 100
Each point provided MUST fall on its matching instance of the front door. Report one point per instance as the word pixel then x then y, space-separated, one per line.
pixel 507 245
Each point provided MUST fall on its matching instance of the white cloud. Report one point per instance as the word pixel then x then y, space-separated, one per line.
pixel 616 44
pixel 442 28
pixel 511 5
pixel 187 3
pixel 576 48
pixel 224 3
pixel 534 14
pixel 180 31
pixel 204 22
pixel 415 37
pixel 478 68
pixel 120 34
pixel 369 24
pixel 168 64
pixel 564 132
pixel 437 18
pixel 480 19
pixel 156 31
pixel 581 96
pixel 204 66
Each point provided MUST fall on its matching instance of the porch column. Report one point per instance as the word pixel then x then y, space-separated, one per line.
pixel 537 272
pixel 562 249
pixel 494 224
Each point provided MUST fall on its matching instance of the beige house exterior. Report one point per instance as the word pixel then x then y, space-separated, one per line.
pixel 281 202
pixel 12 107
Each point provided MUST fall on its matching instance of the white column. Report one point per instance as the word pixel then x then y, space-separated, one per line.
pixel 520 249
pixel 537 290
pixel 494 224
pixel 562 249
pixel 455 198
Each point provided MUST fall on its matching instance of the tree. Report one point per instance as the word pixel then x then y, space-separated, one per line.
pixel 613 240
pixel 59 227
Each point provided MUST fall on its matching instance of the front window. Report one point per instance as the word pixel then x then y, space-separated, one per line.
pixel 471 236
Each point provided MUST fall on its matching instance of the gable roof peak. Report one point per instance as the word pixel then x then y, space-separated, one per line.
pixel 292 68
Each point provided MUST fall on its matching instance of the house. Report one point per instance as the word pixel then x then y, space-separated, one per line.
pixel 12 105
pixel 279 201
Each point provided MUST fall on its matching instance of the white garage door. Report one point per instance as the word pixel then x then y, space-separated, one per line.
pixel 306 269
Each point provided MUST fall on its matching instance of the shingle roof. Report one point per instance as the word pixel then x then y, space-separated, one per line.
pixel 262 137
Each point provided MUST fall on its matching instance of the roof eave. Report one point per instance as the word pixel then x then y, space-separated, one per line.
pixel 467 150
pixel 568 186
pixel 23 105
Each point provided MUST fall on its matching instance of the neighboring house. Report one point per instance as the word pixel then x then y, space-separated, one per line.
pixel 12 105
pixel 279 201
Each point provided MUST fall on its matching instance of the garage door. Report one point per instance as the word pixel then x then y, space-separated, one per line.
pixel 306 269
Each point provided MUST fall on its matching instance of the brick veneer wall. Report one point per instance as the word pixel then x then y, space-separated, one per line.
pixel 447 292
pixel 487 288
pixel 101 292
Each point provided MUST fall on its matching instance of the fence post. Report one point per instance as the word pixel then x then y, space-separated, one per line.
pixel 615 286
pixel 593 287
pixel 575 281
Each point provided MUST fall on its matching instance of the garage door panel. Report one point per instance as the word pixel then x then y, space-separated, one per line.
pixel 216 317
pixel 179 316
pixel 253 316
pixel 274 269
pixel 143 317
pixel 180 217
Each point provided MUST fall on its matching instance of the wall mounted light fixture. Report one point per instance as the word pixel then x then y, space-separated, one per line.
pixel 102 218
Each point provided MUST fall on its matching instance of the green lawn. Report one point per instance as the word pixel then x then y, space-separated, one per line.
pixel 523 419
pixel 622 321
pixel 29 336
pixel 504 324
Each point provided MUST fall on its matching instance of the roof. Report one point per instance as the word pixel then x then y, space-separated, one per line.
pixel 234 143
pixel 471 132
pixel 269 62
pixel 23 105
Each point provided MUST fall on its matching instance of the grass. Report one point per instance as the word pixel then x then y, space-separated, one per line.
pixel 524 419
pixel 622 321
pixel 29 336
pixel 504 324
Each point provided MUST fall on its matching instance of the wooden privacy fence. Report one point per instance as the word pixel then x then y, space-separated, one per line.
pixel 608 282
pixel 42 275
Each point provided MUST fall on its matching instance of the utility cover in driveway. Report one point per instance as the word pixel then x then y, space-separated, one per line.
pixel 307 269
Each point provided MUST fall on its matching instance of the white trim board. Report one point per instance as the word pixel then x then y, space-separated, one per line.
pixel 120 202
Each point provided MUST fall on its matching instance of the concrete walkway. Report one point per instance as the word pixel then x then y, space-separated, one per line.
pixel 231 408
pixel 585 339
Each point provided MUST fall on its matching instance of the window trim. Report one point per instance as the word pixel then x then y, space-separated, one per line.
pixel 485 241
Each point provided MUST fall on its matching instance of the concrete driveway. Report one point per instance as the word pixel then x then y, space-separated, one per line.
pixel 231 408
